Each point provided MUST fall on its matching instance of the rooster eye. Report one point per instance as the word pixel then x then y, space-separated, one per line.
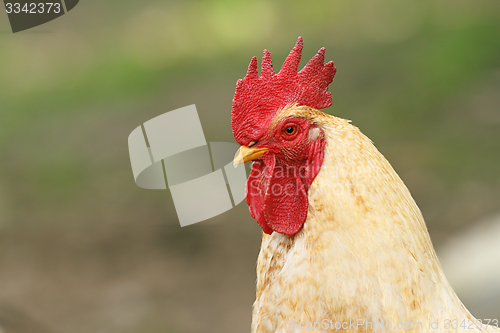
pixel 290 130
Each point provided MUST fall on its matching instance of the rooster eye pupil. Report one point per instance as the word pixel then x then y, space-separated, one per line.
pixel 290 130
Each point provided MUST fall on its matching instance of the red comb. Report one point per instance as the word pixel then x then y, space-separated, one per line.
pixel 258 98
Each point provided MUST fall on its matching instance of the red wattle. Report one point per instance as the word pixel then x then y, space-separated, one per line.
pixel 254 194
pixel 285 201
pixel 277 194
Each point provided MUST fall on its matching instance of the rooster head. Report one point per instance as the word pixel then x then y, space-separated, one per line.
pixel 270 121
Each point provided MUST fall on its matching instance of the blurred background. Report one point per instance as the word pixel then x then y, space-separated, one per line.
pixel 83 249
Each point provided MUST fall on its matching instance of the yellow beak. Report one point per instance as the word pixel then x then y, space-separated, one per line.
pixel 245 154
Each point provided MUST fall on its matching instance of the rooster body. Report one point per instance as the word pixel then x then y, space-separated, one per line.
pixel 345 247
pixel 364 252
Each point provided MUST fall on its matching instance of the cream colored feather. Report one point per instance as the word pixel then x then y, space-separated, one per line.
pixel 364 253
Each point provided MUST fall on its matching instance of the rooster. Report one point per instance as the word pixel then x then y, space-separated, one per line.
pixel 344 246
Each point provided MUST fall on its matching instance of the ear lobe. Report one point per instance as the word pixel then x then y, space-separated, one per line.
pixel 313 133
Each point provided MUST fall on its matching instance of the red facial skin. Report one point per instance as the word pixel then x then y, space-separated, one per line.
pixel 276 190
